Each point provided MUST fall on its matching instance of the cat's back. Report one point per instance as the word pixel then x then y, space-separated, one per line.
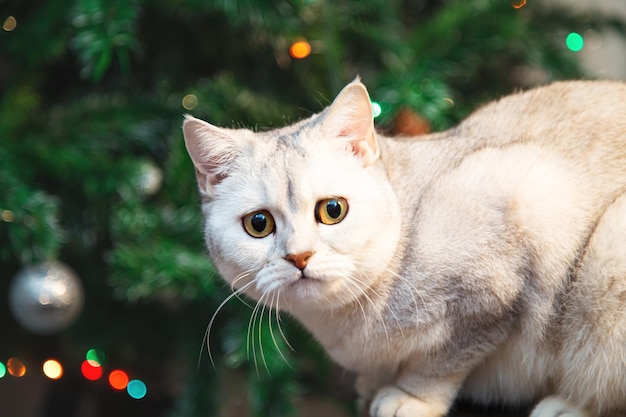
pixel 580 125
pixel 572 117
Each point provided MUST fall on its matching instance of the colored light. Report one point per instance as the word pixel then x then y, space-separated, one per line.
pixel 91 370
pixel 574 42
pixel 9 24
pixel 16 367
pixel 95 355
pixel 136 389
pixel 300 49
pixel 52 369
pixel 3 370
pixel 190 101
pixel 518 4
pixel 376 109
pixel 118 379
pixel 7 215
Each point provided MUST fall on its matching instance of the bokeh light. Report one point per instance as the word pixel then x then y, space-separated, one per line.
pixel 16 367
pixel 300 49
pixel 52 369
pixel 376 109
pixel 9 24
pixel 118 379
pixel 518 4
pixel 190 102
pixel 91 370
pixel 3 370
pixel 96 356
pixel 136 389
pixel 574 42
pixel 7 215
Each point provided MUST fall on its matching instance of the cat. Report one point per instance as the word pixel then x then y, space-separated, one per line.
pixel 485 262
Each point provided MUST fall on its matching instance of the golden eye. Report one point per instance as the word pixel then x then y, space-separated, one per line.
pixel 258 223
pixel 331 210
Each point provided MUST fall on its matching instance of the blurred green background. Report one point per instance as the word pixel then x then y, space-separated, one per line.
pixel 94 176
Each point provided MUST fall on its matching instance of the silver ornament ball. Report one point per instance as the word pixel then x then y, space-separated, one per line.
pixel 46 298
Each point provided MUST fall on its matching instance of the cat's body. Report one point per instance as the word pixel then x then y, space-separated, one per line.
pixel 487 261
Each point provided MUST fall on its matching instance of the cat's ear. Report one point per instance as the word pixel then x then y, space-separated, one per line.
pixel 350 118
pixel 212 150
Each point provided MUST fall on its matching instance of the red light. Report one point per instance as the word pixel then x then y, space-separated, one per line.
pixel 118 379
pixel 91 370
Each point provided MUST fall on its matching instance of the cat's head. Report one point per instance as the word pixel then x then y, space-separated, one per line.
pixel 303 214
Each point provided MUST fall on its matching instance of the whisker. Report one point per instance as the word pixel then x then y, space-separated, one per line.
pixel 250 334
pixel 207 333
pixel 241 276
pixel 354 295
pixel 415 292
pixel 278 320
pixel 260 336
pixel 395 318
pixel 269 320
pixel 352 280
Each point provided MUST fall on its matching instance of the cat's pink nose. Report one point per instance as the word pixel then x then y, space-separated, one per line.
pixel 299 259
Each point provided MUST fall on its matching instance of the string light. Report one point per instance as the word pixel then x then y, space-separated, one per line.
pixel 91 370
pixel 136 389
pixel 52 369
pixel 16 367
pixel 118 379
pixel 574 42
pixel 300 49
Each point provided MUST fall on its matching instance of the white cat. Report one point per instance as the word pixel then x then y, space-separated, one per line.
pixel 487 261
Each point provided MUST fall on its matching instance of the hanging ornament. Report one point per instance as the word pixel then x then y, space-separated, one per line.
pixel 149 179
pixel 46 298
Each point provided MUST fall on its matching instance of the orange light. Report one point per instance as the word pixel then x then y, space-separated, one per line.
pixel 16 367
pixel 52 369
pixel 300 49
pixel 518 4
pixel 118 379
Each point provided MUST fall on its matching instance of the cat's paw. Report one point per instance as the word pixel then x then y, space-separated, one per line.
pixel 556 407
pixel 394 402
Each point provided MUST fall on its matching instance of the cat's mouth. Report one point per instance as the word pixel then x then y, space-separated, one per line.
pixel 303 276
pixel 305 280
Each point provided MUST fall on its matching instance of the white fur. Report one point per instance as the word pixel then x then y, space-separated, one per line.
pixel 556 407
pixel 488 261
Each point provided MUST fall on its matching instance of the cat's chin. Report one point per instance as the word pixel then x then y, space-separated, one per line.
pixel 316 293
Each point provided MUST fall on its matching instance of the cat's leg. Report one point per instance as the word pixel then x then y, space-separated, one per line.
pixel 592 353
pixel 556 407
pixel 416 396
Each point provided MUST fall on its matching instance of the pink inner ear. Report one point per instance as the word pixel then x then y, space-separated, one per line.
pixel 345 133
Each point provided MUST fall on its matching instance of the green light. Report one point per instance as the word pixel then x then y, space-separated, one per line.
pixel 95 355
pixel 136 389
pixel 376 109
pixel 3 370
pixel 574 42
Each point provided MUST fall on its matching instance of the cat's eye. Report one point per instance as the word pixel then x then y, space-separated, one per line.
pixel 331 210
pixel 258 223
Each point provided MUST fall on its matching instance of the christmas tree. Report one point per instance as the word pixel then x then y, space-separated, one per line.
pixel 101 247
